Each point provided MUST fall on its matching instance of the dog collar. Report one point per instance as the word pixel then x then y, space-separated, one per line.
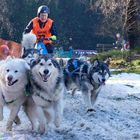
pixel 8 102
pixel 47 100
pixel 94 84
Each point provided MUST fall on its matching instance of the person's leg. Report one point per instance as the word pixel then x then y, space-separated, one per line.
pixel 49 49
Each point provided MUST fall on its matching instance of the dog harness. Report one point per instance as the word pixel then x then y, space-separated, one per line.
pixel 48 100
pixel 73 68
pixel 38 94
pixel 94 84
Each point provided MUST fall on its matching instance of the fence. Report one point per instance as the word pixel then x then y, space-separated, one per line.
pixel 104 47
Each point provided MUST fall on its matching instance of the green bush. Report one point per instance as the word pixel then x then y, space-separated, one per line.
pixel 114 54
pixel 119 60
pixel 137 49
pixel 124 66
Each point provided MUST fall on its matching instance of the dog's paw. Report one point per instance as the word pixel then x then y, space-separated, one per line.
pixel 9 126
pixel 91 110
pixel 41 130
pixel 1 117
pixel 57 122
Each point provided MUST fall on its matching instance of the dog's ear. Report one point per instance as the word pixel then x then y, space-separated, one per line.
pixel 8 58
pixel 23 50
pixel 33 63
pixel 96 63
pixel 55 63
pixel 36 56
pixel 27 66
pixel 108 61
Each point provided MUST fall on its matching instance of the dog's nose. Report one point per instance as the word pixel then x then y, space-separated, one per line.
pixel 103 80
pixel 10 77
pixel 46 71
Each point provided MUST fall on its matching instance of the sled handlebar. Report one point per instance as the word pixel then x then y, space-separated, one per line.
pixel 42 39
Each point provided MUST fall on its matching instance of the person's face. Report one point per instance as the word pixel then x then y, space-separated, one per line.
pixel 43 17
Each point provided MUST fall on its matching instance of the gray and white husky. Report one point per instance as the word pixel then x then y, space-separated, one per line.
pixel 89 79
pixel 48 89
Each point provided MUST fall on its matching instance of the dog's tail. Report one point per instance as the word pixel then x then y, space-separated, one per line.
pixel 28 41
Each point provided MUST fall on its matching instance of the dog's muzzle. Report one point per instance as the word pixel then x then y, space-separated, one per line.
pixel 45 76
pixel 10 80
pixel 102 82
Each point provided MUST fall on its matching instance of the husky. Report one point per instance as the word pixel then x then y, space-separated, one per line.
pixel 89 79
pixel 29 53
pixel 48 89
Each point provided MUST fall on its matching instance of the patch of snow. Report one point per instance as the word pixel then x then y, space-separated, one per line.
pixel 116 117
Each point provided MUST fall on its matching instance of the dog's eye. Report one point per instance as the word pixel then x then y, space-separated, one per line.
pixel 29 56
pixel 7 70
pixel 50 64
pixel 16 71
pixel 100 72
pixel 41 64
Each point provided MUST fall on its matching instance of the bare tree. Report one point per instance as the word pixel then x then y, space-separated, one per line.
pixel 114 14
pixel 131 22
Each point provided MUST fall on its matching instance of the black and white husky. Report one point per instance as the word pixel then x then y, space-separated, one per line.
pixel 29 53
pixel 48 89
pixel 88 78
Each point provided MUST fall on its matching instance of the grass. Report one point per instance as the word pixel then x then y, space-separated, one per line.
pixel 123 66
pixel 114 54
pixel 119 60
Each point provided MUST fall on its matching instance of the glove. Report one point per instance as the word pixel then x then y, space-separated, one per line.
pixel 53 38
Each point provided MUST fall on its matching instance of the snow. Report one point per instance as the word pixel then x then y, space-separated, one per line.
pixel 117 115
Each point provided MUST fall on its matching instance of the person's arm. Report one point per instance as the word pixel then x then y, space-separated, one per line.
pixel 28 28
pixel 53 32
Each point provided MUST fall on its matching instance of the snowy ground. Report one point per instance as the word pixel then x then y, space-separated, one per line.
pixel 117 115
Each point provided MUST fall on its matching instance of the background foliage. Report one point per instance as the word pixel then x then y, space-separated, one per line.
pixel 80 23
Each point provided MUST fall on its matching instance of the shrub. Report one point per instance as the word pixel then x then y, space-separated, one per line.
pixel 114 54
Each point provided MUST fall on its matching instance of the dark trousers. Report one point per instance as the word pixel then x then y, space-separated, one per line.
pixel 49 48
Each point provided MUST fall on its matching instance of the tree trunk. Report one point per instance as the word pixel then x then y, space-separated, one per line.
pixel 131 23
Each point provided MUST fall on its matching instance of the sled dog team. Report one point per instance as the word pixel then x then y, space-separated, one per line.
pixel 38 84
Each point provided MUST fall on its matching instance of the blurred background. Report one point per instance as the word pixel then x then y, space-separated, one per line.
pixel 81 24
